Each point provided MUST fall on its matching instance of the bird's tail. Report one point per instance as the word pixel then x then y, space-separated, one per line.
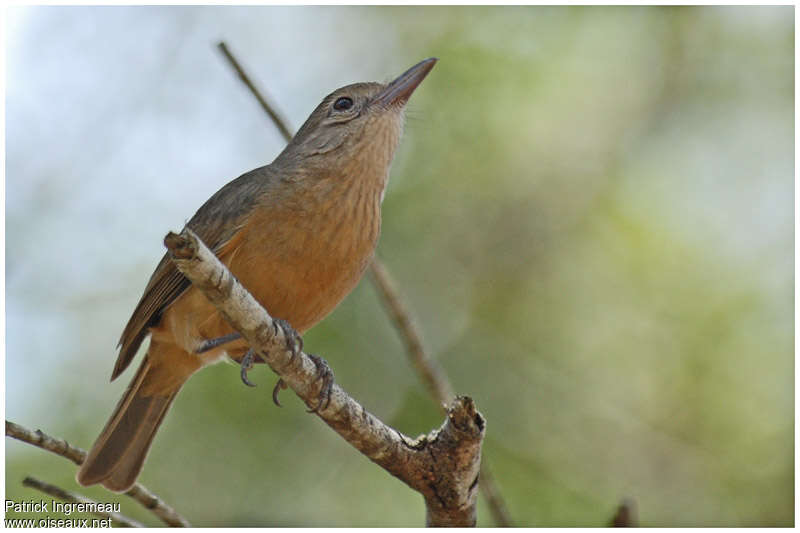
pixel 118 453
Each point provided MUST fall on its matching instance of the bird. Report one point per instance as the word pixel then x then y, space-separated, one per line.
pixel 298 233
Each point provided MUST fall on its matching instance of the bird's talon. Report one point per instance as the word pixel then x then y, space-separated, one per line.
pixel 324 373
pixel 244 378
pixel 294 342
pixel 279 386
pixel 246 366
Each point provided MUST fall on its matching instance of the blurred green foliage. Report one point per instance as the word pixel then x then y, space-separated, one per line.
pixel 591 215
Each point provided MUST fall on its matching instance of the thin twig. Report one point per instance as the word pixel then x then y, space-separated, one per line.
pixel 430 372
pixel 85 504
pixel 273 114
pixel 495 500
pixel 61 447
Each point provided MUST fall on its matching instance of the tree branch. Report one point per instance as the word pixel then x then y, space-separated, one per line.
pixel 277 119
pixel 61 447
pixel 442 466
pixel 61 494
pixel 430 372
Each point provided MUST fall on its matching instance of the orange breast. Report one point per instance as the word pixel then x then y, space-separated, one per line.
pixel 299 267
pixel 298 263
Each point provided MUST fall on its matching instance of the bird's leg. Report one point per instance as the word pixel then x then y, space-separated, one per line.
pixel 219 341
pixel 247 360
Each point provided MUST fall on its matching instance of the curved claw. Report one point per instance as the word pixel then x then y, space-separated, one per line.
pixel 279 386
pixel 244 377
pixel 246 366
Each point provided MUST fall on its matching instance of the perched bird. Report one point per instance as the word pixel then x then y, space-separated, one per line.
pixel 297 233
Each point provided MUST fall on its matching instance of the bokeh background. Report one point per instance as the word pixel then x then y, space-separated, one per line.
pixel 591 216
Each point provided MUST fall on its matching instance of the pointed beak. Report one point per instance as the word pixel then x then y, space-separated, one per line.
pixel 399 91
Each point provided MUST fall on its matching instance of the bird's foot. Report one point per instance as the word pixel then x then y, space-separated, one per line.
pixel 324 373
pixel 294 342
pixel 247 365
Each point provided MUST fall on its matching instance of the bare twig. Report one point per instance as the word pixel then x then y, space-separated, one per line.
pixel 45 442
pixel 61 447
pixel 442 466
pixel 273 114
pixel 86 505
pixel 495 500
pixel 430 372
pixel 625 515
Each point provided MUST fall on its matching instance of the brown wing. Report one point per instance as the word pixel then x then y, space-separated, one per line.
pixel 216 223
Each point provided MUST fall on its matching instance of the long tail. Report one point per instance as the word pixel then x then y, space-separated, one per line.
pixel 119 452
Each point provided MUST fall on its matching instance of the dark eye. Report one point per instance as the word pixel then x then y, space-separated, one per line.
pixel 343 104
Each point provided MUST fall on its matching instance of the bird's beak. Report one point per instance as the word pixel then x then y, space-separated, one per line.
pixel 399 91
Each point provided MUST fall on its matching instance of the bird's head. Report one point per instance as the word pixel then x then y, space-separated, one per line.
pixel 356 126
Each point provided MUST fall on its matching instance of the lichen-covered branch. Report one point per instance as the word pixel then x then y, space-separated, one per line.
pixel 443 465
pixel 61 447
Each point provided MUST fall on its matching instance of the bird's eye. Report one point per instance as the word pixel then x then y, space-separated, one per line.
pixel 343 104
